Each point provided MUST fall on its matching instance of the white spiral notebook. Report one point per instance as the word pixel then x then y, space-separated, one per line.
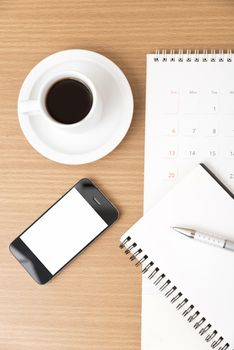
pixel 190 284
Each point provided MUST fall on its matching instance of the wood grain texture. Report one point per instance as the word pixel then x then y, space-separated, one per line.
pixel 95 303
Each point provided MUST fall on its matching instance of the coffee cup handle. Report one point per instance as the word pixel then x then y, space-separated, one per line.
pixel 29 106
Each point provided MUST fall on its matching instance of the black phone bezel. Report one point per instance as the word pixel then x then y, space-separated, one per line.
pixel 98 202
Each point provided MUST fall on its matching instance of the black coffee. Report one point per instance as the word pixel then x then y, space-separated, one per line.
pixel 69 101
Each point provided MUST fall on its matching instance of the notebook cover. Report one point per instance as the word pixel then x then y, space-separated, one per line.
pixel 203 273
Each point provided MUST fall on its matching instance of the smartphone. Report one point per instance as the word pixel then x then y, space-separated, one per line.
pixel 63 231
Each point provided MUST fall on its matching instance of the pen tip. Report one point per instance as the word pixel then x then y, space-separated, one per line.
pixel 177 229
pixel 185 231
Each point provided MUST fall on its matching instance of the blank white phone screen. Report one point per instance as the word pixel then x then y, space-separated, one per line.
pixel 63 231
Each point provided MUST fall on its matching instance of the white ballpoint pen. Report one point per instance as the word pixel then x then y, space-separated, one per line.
pixel 206 238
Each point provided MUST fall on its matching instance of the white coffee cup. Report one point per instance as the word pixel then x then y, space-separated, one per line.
pixel 39 105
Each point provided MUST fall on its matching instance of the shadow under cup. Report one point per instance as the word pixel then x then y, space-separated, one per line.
pixel 69 101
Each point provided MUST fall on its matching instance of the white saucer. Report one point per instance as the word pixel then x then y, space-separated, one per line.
pixel 69 146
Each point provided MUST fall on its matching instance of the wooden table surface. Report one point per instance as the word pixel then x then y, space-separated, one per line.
pixel 95 303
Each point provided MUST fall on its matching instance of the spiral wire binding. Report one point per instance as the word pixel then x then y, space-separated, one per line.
pixel 193 56
pixel 165 286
